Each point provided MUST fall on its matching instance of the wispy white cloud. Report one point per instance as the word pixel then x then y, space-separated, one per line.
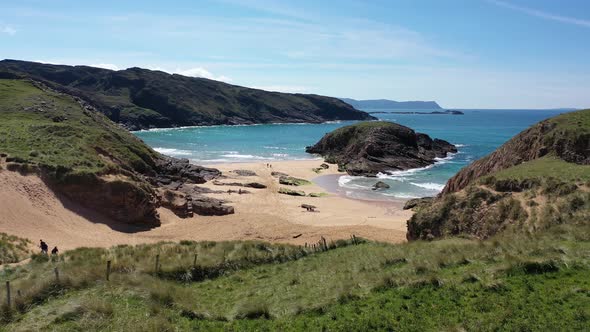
pixel 105 66
pixel 190 71
pixel 284 88
pixel 542 14
pixel 199 72
pixel 7 29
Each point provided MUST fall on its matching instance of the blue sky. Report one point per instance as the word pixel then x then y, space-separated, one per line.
pixel 461 53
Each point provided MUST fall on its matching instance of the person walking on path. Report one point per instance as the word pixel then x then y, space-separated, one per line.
pixel 44 247
pixel 54 251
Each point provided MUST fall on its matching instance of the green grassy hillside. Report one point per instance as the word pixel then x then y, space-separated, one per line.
pixel 53 131
pixel 510 282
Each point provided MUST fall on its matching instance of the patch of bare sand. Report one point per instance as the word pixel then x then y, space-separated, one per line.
pixel 29 209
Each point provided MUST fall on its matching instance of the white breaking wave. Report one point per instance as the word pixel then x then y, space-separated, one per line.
pixel 245 156
pixel 401 174
pixel 274 148
pixel 460 145
pixel 404 196
pixel 445 160
pixel 345 182
pixel 429 185
pixel 173 152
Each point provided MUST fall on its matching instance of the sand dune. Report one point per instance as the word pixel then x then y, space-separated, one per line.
pixel 29 209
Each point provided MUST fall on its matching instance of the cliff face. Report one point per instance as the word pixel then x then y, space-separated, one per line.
pixel 369 148
pixel 140 98
pixel 566 136
pixel 539 178
pixel 84 156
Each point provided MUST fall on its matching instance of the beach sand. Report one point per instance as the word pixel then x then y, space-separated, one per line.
pixel 29 209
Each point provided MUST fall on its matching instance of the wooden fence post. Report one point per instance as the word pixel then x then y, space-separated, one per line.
pixel 108 270
pixel 8 293
pixel 56 270
pixel 195 261
pixel 157 269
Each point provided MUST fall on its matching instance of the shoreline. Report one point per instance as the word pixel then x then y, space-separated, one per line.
pixel 244 125
pixel 342 209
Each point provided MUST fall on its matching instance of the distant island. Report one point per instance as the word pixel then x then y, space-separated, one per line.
pixel 392 104
pixel 447 112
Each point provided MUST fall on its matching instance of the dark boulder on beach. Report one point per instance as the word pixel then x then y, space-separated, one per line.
pixel 369 148
pixel 380 185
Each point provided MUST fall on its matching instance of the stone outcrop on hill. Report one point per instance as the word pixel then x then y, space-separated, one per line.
pixel 369 148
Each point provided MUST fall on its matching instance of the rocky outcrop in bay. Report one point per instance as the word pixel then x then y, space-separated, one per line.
pixel 369 148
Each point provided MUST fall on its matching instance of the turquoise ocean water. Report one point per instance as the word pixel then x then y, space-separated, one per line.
pixel 476 134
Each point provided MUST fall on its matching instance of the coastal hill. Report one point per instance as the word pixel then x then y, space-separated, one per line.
pixel 90 160
pixel 141 98
pixel 539 178
pixel 368 148
pixel 133 282
pixel 391 104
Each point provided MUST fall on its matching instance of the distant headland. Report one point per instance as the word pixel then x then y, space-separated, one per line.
pixel 447 112
pixel 392 104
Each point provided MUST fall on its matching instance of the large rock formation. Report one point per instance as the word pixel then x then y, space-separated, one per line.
pixel 368 148
pixel 539 178
pixel 140 98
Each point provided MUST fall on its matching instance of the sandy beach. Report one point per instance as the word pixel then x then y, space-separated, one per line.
pixel 28 208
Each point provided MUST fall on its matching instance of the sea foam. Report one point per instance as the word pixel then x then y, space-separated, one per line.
pixel 173 152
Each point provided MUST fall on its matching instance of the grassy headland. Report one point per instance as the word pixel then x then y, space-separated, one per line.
pixel 539 178
pixel 141 98
pixel 53 131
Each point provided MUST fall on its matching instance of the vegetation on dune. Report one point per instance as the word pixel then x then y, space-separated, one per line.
pixel 13 249
pixel 511 281
pixel 544 168
pixel 524 198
